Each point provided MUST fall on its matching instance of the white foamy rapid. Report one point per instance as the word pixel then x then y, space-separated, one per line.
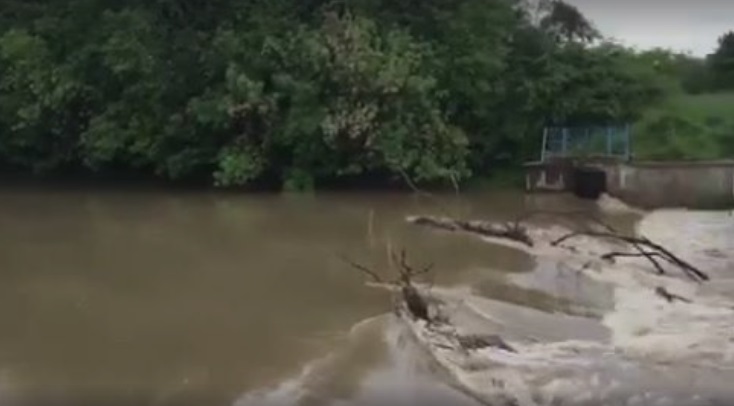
pixel 700 333
pixel 655 352
pixel 378 364
pixel 612 205
pixel 637 349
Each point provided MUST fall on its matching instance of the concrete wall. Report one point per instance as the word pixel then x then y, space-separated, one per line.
pixel 556 176
pixel 646 184
pixel 666 184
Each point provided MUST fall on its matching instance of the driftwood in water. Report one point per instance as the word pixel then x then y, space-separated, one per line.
pixel 518 233
pixel 417 306
pixel 510 231
pixel 670 297
pixel 515 230
pixel 415 303
pixel 476 342
pixel 646 248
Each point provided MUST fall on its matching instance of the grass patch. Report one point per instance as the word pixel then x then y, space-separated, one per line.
pixel 695 127
pixel 703 106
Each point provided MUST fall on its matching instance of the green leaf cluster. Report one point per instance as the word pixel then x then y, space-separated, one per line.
pixel 301 93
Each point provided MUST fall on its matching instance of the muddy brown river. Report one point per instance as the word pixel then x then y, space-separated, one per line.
pixel 172 298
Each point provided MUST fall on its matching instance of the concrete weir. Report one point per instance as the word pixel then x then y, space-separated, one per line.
pixel 648 184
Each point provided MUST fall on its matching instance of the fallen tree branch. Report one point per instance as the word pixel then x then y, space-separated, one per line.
pixel 416 304
pixel 516 232
pixel 506 231
pixel 595 220
pixel 650 256
pixel 479 341
pixel 681 263
pixel 670 297
pixel 362 268
pixel 639 242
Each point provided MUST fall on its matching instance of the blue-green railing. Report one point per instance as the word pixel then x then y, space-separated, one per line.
pixel 598 141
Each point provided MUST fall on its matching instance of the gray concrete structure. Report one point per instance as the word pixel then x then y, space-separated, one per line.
pixel 698 184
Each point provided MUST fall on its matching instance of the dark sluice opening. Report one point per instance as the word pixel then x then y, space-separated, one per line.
pixel 589 183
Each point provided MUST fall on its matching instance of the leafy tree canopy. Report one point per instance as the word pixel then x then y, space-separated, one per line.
pixel 302 92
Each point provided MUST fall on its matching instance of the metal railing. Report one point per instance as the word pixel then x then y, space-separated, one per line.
pixel 586 142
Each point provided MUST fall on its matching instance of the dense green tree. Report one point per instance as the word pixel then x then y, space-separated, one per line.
pixel 566 23
pixel 682 71
pixel 300 92
pixel 722 62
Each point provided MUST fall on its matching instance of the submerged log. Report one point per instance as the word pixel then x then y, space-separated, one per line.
pixel 511 231
pixel 670 297
pixel 645 248
pixel 476 341
pixel 415 303
pixel 516 232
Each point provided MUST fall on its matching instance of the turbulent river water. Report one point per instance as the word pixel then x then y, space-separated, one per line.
pixel 181 298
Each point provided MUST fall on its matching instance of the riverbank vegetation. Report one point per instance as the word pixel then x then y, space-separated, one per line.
pixel 696 121
pixel 301 94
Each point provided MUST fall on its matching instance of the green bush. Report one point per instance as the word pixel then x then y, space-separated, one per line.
pixel 688 127
pixel 241 91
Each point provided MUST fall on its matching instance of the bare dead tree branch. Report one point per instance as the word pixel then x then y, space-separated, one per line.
pixel 582 214
pixel 670 297
pixel 362 268
pixel 612 255
pixel 690 269
pixel 650 256
pixel 516 232
pixel 405 270
pixel 414 301
pixel 426 269
pixel 640 242
pixel 574 234
pixel 506 231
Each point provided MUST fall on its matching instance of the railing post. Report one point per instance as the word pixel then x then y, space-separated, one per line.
pixel 545 144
